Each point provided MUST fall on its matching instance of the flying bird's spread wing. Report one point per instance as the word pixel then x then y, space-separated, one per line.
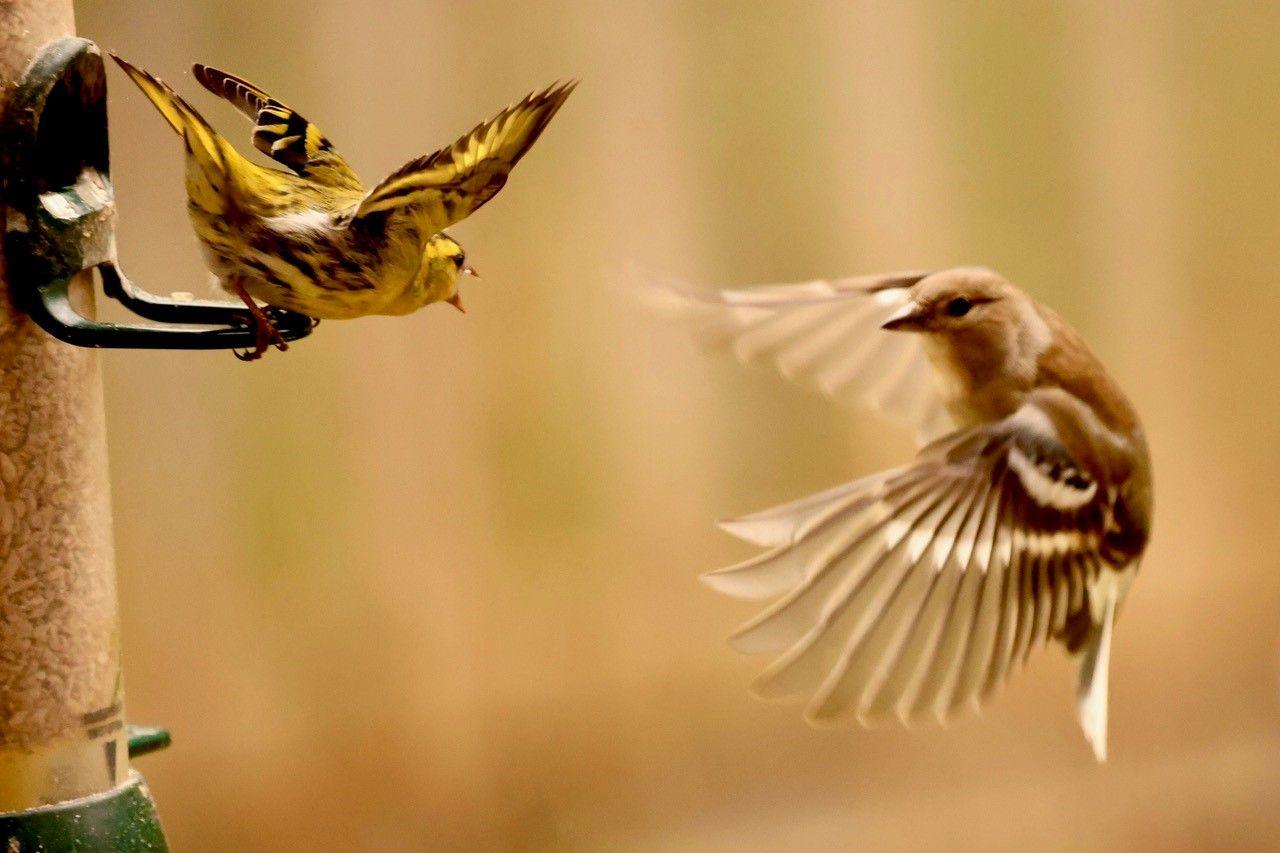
pixel 826 334
pixel 280 132
pixel 916 592
pixel 451 184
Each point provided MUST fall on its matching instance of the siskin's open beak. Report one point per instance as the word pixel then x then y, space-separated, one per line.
pixel 456 302
pixel 471 271
pixel 908 318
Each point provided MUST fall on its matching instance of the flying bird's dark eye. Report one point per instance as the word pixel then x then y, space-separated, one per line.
pixel 459 260
pixel 958 307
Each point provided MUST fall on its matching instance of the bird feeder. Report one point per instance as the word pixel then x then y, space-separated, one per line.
pixel 65 779
pixel 61 219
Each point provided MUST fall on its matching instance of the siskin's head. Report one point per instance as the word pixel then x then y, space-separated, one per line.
pixel 447 261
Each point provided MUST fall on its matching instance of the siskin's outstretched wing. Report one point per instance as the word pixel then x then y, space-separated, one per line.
pixel 445 187
pixel 827 334
pixel 281 133
pixel 916 592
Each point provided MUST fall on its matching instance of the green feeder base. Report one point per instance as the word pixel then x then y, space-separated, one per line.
pixel 122 820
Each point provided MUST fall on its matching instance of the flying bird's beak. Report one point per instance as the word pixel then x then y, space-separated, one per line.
pixel 456 302
pixel 471 271
pixel 908 318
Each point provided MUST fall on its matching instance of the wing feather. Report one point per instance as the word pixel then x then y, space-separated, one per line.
pixel 982 625
pixel 998 667
pixel 1043 603
pixel 826 335
pixel 1026 611
pixel 925 655
pixel 847 614
pixel 868 658
pixel 901 690
pixel 781 525
pixel 445 187
pixel 844 556
pixel 940 678
pixel 787 565
pixel 919 591
pixel 281 132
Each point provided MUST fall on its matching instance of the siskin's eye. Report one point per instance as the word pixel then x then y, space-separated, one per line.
pixel 958 307
pixel 459 260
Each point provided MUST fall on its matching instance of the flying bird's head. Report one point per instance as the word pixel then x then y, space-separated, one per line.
pixel 976 326
pixel 968 306
pixel 446 261
pixel 960 302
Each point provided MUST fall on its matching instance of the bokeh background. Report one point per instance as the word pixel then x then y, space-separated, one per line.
pixel 431 582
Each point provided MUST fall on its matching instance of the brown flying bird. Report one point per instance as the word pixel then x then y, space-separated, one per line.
pixel 916 592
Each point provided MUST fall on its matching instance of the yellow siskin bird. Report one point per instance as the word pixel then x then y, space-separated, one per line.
pixel 312 239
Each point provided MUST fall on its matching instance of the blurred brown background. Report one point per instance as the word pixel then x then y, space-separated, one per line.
pixel 431 582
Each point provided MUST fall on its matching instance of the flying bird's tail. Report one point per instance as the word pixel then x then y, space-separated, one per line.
pixel 1095 661
pixel 1091 696
pixel 213 164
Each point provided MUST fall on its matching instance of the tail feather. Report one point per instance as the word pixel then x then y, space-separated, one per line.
pixel 1095 665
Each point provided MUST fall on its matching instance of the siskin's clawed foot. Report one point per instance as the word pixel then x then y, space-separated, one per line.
pixel 266 336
